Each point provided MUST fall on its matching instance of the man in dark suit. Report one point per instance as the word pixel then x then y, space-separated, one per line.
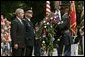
pixel 18 34
pixel 29 36
pixel 65 34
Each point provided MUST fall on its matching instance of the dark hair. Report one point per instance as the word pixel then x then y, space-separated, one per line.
pixel 2 13
pixel 26 9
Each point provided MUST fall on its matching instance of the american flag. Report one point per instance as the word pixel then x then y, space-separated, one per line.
pixel 57 15
pixel 48 8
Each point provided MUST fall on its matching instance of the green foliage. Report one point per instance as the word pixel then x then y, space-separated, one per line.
pixel 9 7
pixel 49 26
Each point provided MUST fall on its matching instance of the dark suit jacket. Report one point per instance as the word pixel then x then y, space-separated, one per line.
pixel 29 39
pixel 18 33
pixel 61 28
pixel 67 38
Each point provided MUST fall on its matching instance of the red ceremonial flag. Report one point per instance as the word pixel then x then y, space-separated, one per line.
pixel 73 18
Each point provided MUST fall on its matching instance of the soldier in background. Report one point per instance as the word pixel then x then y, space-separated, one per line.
pixel 64 33
pixel 30 33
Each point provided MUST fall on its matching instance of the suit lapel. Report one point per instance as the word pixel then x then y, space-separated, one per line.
pixel 21 25
pixel 29 22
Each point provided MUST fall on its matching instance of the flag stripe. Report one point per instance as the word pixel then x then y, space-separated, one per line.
pixel 48 7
